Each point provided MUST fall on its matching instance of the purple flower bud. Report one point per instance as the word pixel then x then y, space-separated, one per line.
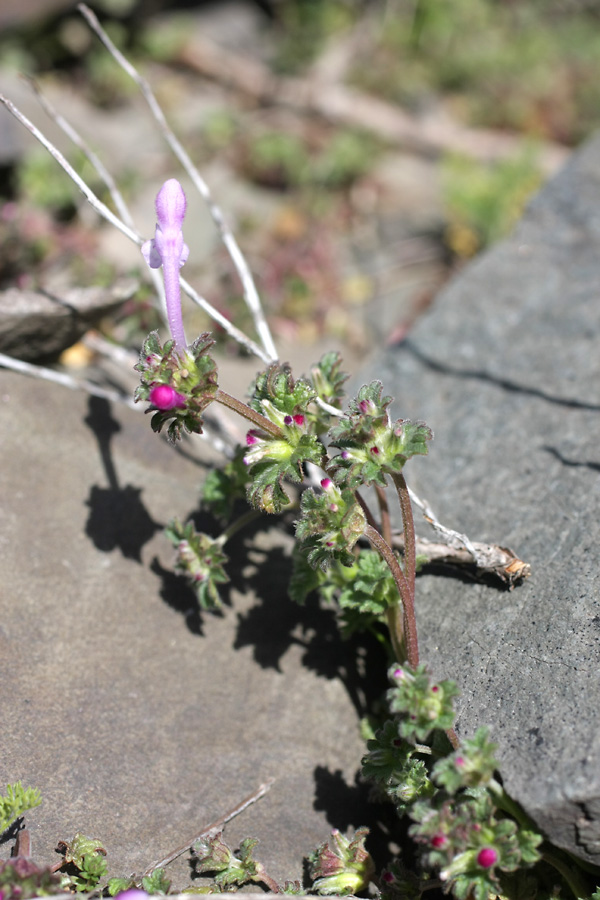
pixel 288 420
pixel 132 894
pixel 345 454
pixel 387 877
pixel 164 397
pixel 364 406
pixel 487 857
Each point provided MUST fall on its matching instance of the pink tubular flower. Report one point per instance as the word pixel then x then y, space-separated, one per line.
pixel 164 397
pixel 487 857
pixel 167 249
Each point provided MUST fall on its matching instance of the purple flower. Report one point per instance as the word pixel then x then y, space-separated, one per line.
pixel 167 249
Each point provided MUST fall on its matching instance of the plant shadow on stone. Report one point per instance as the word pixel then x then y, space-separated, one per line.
pixel 118 518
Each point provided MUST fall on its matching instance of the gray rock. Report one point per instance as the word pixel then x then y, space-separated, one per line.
pixel 139 720
pixel 37 325
pixel 505 368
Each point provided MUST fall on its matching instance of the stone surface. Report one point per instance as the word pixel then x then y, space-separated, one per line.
pixel 39 325
pixel 138 719
pixel 505 368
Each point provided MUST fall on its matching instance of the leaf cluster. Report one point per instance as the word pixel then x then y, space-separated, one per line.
pixel 16 802
pixel 342 866
pixel 372 445
pixel 330 525
pixel 192 374
pixel 84 863
pixel 450 794
pixel 22 879
pixel 201 559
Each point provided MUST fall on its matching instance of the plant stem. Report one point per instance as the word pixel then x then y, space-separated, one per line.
pixel 386 523
pixel 578 885
pixel 266 879
pixel 236 526
pixel 405 633
pixel 410 567
pixel 256 418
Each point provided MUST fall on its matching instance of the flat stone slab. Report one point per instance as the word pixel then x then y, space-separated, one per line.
pixel 505 368
pixel 139 720
pixel 39 325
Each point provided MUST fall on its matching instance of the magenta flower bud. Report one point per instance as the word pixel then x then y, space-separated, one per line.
pixel 132 894
pixel 326 483
pixel 364 406
pixel 438 840
pixel 164 397
pixel 288 420
pixel 398 673
pixel 388 877
pixel 375 451
pixel 345 454
pixel 251 439
pixel 299 419
pixel 167 249
pixel 487 857
pixel 435 689
pixel 459 762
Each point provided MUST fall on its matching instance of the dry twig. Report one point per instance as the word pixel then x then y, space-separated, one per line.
pixel 343 105
pixel 241 266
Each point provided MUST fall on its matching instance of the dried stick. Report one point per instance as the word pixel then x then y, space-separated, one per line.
pixel 133 235
pixel 75 384
pixel 105 175
pixel 212 829
pixel 453 538
pixel 241 266
pixel 491 559
pixel 349 107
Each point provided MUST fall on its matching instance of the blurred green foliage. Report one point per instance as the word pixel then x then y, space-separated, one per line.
pixel 483 202
pixel 533 67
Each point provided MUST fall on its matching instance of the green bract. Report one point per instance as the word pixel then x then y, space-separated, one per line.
pixel 470 766
pixel 422 706
pixel 272 460
pixel 331 524
pixel 392 764
pixel 282 392
pixel 190 374
pixel 201 559
pixel 342 867
pixel 371 444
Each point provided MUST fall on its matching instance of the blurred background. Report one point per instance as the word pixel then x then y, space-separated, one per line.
pixel 361 150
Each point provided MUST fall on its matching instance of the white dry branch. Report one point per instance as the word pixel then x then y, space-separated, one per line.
pixel 241 266
pixel 62 378
pixel 131 233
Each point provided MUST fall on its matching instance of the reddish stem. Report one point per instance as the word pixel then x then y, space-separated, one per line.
pixel 248 413
pixel 405 634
